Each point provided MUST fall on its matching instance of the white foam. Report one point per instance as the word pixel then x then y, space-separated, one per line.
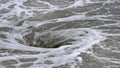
pixel 80 3
pixel 63 54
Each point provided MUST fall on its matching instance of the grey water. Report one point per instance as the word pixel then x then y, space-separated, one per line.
pixel 59 34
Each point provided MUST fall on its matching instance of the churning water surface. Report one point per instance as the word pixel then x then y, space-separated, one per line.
pixel 59 34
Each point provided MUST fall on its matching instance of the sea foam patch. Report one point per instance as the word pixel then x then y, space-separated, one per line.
pixel 59 33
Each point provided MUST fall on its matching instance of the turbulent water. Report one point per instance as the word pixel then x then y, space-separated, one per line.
pixel 59 34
